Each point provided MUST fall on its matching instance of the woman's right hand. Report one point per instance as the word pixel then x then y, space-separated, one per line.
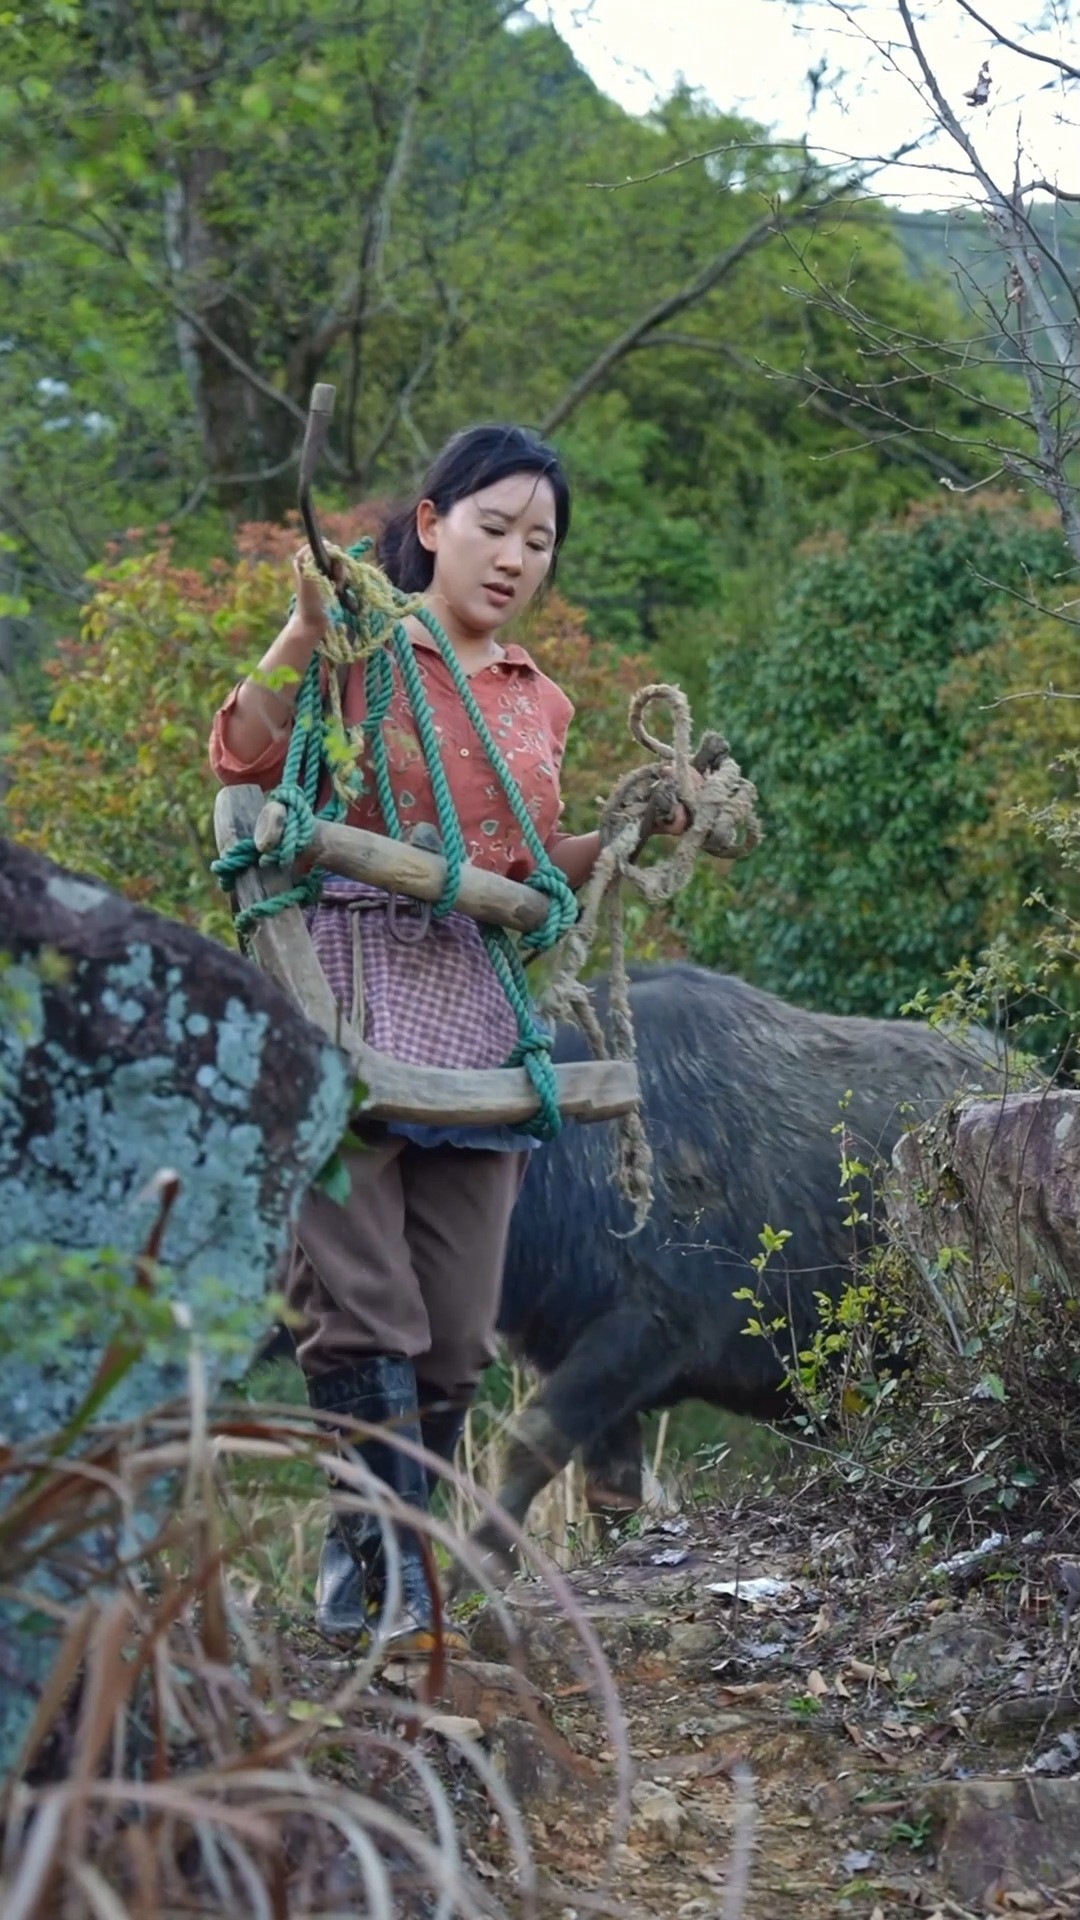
pixel 310 612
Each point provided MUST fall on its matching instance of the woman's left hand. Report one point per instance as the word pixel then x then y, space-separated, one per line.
pixel 675 825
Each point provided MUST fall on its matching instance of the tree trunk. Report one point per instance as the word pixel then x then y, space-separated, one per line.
pixel 249 437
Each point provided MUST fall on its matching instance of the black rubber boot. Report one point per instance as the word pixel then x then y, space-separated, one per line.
pixel 351 1585
pixel 441 1424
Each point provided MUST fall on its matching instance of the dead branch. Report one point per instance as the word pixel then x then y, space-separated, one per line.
pixel 999 204
pixel 1029 53
pixel 1047 186
pixel 1036 693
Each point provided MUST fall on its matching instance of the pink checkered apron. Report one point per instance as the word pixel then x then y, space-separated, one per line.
pixel 434 1003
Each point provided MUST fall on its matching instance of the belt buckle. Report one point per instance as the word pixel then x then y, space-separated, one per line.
pixel 411 929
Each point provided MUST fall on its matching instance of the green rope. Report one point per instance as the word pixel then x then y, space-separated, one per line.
pixel 297 792
pixel 311 747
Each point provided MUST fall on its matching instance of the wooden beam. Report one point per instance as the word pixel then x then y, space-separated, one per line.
pixel 424 1096
pixel 358 855
pixel 493 1096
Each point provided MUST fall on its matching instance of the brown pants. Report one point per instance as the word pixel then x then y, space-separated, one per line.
pixel 411 1264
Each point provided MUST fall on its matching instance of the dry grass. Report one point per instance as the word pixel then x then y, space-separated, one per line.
pixel 559 1522
pixel 186 1754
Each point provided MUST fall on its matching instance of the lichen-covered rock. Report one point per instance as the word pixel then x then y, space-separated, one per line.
pixel 999 1179
pixel 130 1045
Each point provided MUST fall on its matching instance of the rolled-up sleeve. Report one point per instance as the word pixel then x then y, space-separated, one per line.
pixel 265 770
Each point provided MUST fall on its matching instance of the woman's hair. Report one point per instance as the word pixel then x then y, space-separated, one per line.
pixel 477 458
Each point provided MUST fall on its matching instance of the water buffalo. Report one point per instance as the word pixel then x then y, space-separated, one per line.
pixel 742 1097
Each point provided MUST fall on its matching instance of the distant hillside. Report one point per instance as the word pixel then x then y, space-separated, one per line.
pixel 961 246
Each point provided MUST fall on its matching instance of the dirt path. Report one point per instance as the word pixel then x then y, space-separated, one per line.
pixel 864 1693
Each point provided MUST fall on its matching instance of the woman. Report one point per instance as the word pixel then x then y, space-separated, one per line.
pixel 397 1290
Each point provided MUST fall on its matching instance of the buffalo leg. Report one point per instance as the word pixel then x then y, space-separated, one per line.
pixel 618 1366
pixel 613 1471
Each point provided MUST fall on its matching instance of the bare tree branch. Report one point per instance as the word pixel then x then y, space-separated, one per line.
pixel 1037 693
pixel 220 481
pixel 195 320
pixel 904 451
pixel 1029 53
pixel 795 147
pixel 1047 186
pixel 61 582
pixel 998 202
pixel 350 307
pixel 399 409
pixel 1046 347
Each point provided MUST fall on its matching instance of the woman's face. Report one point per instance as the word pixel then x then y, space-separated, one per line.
pixel 492 551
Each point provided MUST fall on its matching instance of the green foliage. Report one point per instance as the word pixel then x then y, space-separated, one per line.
pixel 874 774
pixel 116 781
pixel 51 1300
pixel 206 211
pixel 638 568
pixel 952 1390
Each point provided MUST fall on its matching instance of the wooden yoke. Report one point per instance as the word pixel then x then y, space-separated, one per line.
pixel 400 868
pixel 283 948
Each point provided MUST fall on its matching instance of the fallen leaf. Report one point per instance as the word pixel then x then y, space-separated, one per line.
pixel 839 1687
pixel 864 1670
pixel 312 1710
pixel 960 1562
pixel 816 1684
pixel 857 1861
pixel 759 1587
pixel 821 1625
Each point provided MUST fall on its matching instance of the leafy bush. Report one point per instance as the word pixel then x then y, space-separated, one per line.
pixel 879 766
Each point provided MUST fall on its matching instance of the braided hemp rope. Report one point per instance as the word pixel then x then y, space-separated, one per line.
pixel 720 803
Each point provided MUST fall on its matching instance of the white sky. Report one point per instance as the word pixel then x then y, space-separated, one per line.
pixel 752 56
